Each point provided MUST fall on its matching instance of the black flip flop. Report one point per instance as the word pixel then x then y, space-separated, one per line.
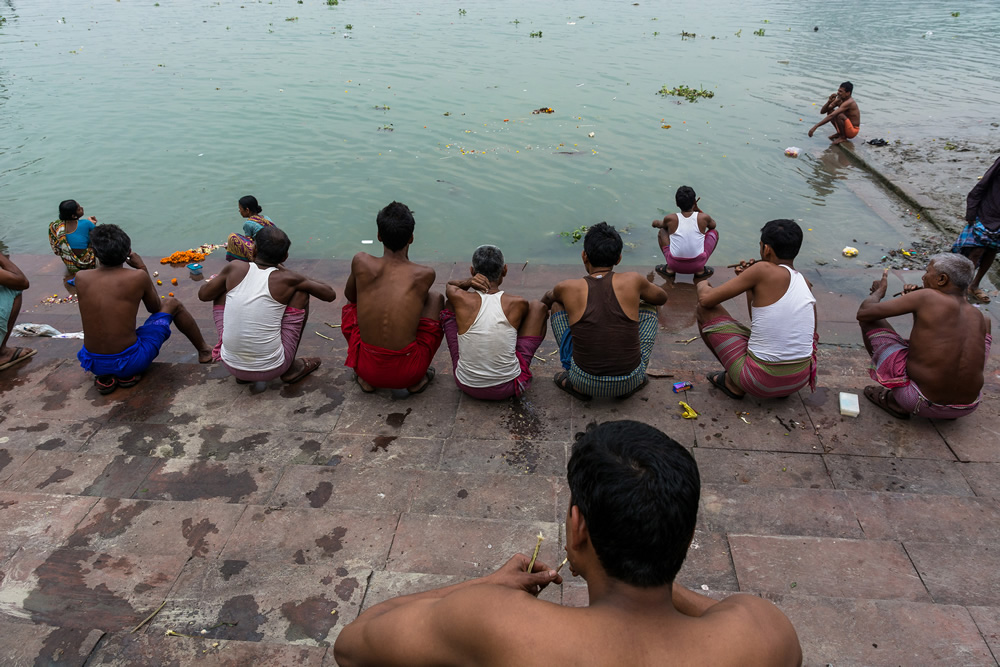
pixel 707 272
pixel 105 384
pixel 562 381
pixel 663 272
pixel 718 380
pixel 880 396
pixel 642 385
pixel 430 376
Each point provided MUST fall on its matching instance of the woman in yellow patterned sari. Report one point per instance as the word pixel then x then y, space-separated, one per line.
pixel 240 246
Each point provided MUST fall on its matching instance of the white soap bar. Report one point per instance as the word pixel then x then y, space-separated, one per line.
pixel 849 404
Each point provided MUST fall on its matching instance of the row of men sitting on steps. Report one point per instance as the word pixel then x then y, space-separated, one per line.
pixel 605 323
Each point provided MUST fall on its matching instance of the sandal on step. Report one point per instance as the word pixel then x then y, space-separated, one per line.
pixel 430 376
pixel 979 294
pixel 718 380
pixel 880 397
pixel 562 381
pixel 20 354
pixel 705 273
pixel 131 382
pixel 664 272
pixel 309 364
pixel 105 384
pixel 642 385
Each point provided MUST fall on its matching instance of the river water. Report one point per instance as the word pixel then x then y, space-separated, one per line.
pixel 159 116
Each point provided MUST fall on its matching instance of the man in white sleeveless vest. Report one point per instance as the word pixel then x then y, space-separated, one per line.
pixel 492 335
pixel 687 238
pixel 776 355
pixel 260 312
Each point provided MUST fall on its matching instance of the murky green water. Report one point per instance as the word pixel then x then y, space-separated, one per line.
pixel 158 118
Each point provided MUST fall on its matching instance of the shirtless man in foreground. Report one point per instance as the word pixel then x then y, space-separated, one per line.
pixel 391 321
pixel 938 372
pixel 114 350
pixel 627 540
pixel 843 112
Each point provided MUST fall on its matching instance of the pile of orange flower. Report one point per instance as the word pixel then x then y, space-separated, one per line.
pixel 183 257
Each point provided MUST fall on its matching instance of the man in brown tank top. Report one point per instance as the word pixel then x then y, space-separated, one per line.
pixel 605 323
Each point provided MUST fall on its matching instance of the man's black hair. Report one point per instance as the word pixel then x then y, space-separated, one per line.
pixel 488 260
pixel 68 209
pixel 685 198
pixel 848 86
pixel 784 237
pixel 271 245
pixel 603 245
pixel 249 202
pixel 637 490
pixel 395 225
pixel 111 244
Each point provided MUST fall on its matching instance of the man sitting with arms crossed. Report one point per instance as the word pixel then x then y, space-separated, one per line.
pixel 260 312
pixel 776 355
pixel 605 323
pixel 633 506
pixel 114 350
pixel 492 336
pixel 391 323
pixel 938 372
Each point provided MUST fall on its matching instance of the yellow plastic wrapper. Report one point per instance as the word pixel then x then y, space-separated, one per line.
pixel 689 412
pixel 850 252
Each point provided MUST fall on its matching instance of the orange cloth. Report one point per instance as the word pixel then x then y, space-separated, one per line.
pixel 850 129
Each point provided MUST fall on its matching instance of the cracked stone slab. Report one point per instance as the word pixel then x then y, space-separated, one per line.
pixel 209 481
pixel 144 527
pixel 468 547
pixel 909 517
pixel 305 605
pixel 315 404
pixel 826 567
pixel 484 495
pixel 59 472
pixel 36 643
pixel 958 574
pixel 178 393
pixel 514 457
pixel 44 520
pixel 876 473
pixel 778 425
pixel 295 536
pixel 86 588
pixel 427 415
pixel 345 487
pixel 125 650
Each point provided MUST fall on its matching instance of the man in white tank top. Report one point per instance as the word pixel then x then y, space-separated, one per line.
pixel 687 238
pixel 260 312
pixel 492 335
pixel 776 355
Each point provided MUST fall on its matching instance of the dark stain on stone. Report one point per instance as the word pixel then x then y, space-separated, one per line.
pixel 462 493
pixel 213 446
pixel 523 456
pixel 108 523
pixel 113 479
pixel 318 496
pixel 341 571
pixel 201 480
pixel 299 557
pixel 817 398
pixel 336 397
pixel 5 459
pixel 64 646
pixel 196 534
pixel 37 428
pixel 396 419
pixel 232 567
pixel 524 421
pixel 330 544
pixel 244 612
pixel 50 444
pixel 134 441
pixel 62 597
pixel 346 588
pixel 310 619
pixel 310 448
pixel 4 504
pixel 326 581
pixel 382 441
pixel 142 588
pixel 335 460
pixel 105 561
pixel 57 476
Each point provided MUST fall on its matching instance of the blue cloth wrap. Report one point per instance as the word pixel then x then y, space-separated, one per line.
pixel 7 296
pixel 80 238
pixel 135 359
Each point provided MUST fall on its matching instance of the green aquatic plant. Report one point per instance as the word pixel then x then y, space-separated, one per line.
pixel 351 27
pixel 515 22
pixel 955 14
pixel 759 33
pixel 656 34
pixel 461 12
pixel 332 3
pixel 738 32
pixel 685 34
pixel 383 107
pixel 690 94
pixel 535 34
pixel 292 18
pixel 575 234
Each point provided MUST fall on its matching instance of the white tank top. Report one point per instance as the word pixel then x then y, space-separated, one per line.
pixel 251 325
pixel 486 351
pixel 784 330
pixel 688 241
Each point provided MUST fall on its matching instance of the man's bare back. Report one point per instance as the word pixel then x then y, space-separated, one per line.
pixel 109 303
pixel 390 292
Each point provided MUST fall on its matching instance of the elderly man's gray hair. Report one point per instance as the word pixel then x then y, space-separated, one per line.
pixel 959 269
pixel 488 260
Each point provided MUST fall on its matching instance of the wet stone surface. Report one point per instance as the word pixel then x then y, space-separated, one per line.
pixel 268 519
